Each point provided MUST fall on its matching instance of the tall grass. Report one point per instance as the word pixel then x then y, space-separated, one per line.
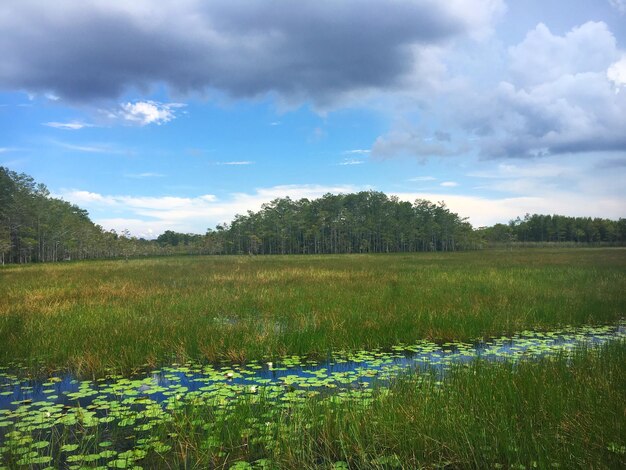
pixel 91 316
pixel 563 412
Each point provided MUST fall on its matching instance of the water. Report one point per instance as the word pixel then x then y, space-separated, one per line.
pixel 342 370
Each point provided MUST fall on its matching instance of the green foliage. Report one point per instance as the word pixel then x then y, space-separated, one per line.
pixel 557 229
pixel 171 238
pixel 364 222
pixel 36 227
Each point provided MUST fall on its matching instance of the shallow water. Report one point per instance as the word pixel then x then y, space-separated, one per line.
pixel 342 370
pixel 61 422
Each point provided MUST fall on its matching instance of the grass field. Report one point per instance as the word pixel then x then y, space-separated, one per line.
pixel 94 319
pixel 91 317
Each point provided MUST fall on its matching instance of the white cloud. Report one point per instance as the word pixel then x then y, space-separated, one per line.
pixel 550 94
pixel 616 73
pixel 545 57
pixel 482 16
pixel 236 163
pixel 146 112
pixel 357 152
pixel 73 125
pixel 351 161
pixel 483 211
pixel 590 187
pixel 88 198
pixel 449 184
pixel 137 227
pixel 560 100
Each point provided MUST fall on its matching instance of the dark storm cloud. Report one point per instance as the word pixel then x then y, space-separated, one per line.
pixel 301 50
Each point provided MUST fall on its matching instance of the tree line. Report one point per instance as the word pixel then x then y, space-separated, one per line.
pixel 35 227
pixel 364 222
pixel 539 228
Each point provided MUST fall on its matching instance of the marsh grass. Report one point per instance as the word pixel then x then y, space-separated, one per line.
pixel 93 317
pixel 556 412
pixel 554 407
pixel 564 411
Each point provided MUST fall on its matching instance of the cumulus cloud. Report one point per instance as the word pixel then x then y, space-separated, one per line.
pixel 557 95
pixel 561 99
pixel 573 114
pixel 143 113
pixel 616 73
pixel 543 57
pixel 313 50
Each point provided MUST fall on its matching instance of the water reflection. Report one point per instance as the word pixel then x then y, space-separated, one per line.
pixel 342 370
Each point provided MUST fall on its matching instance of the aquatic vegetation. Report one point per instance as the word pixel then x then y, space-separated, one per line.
pixel 119 422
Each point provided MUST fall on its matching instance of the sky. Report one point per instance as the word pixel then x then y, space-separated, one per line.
pixel 179 114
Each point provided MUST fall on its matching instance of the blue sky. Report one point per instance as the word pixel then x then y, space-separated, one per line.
pixel 180 114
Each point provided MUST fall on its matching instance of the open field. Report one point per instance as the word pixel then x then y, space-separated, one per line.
pixel 91 317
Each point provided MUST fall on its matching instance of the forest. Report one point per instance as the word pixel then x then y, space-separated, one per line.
pixel 538 228
pixel 35 227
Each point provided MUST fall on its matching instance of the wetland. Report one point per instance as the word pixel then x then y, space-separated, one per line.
pixel 496 359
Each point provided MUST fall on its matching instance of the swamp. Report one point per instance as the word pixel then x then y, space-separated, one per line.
pixel 489 359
